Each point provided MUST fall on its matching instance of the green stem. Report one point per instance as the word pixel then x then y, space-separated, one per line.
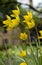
pixel 32 48
pixel 38 43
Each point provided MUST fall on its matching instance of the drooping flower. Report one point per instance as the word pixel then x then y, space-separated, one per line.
pixel 23 36
pixel 23 53
pixel 23 63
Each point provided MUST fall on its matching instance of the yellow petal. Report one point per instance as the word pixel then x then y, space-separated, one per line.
pixel 8 17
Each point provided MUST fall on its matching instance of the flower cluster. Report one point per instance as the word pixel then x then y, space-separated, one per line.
pixel 11 23
pixel 28 19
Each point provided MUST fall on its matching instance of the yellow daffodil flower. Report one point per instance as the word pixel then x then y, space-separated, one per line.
pixel 11 23
pixel 28 17
pixel 30 24
pixel 22 53
pixel 23 36
pixel 15 22
pixel 16 12
pixel 23 63
pixel 30 14
pixel 28 20
pixel 7 22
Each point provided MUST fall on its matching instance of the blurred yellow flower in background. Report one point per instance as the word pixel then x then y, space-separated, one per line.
pixel 23 63
pixel 23 36
pixel 23 53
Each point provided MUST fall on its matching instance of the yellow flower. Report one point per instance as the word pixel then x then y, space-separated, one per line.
pixel 23 63
pixel 40 32
pixel 7 22
pixel 30 14
pixel 30 24
pixel 15 22
pixel 11 23
pixel 28 20
pixel 16 12
pixel 23 36
pixel 22 53
pixel 28 17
